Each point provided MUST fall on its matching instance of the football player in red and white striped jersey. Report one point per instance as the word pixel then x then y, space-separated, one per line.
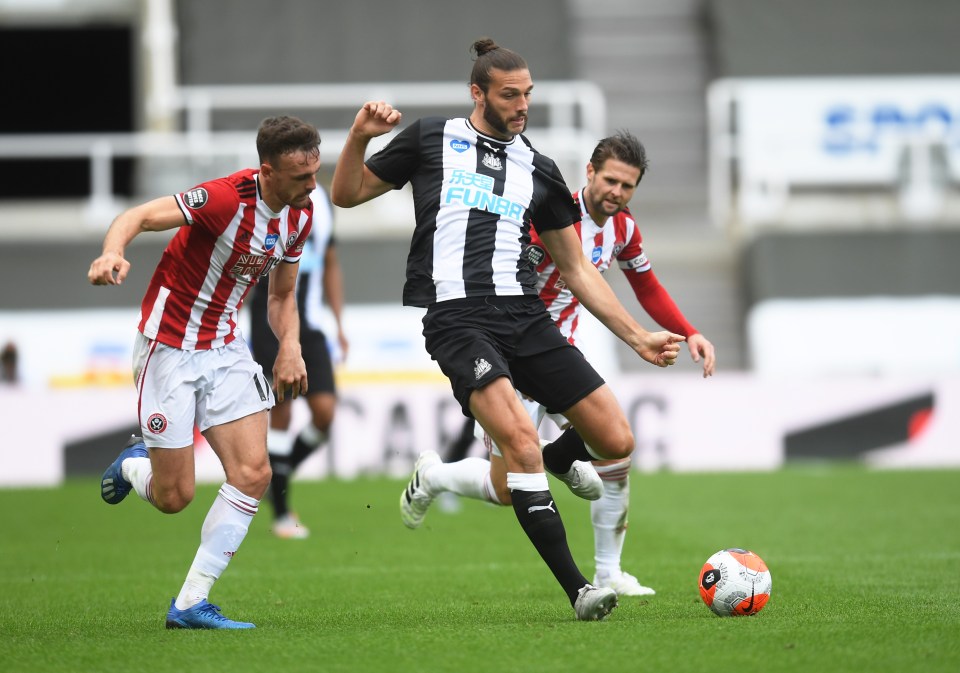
pixel 191 365
pixel 610 234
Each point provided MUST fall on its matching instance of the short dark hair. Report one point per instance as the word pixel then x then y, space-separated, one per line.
pixel 622 146
pixel 490 55
pixel 284 134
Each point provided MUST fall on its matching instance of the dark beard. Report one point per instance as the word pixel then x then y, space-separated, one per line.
pixel 497 124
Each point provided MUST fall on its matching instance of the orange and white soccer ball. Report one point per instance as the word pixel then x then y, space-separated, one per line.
pixel 735 582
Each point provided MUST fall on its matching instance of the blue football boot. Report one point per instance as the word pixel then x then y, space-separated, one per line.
pixel 113 487
pixel 203 615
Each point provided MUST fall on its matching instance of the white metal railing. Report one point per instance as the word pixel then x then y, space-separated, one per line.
pixel 843 137
pixel 575 121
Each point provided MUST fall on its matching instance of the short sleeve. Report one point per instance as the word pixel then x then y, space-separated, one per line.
pixel 399 160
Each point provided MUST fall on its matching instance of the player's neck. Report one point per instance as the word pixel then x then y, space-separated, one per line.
pixel 599 219
pixel 274 203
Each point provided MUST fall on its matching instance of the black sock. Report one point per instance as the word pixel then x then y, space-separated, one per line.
pixel 301 450
pixel 279 483
pixel 558 456
pixel 540 519
pixel 458 449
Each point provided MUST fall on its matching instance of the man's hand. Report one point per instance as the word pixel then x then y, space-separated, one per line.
pixel 375 118
pixel 700 347
pixel 289 373
pixel 104 267
pixel 660 348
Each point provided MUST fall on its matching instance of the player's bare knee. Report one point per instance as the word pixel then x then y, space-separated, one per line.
pixel 173 500
pixel 615 446
pixel 252 480
pixel 523 447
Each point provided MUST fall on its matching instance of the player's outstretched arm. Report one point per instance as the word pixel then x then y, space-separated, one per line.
pixel 160 214
pixel 353 183
pixel 586 283
pixel 658 303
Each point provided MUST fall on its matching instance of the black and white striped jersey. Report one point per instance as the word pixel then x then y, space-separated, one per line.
pixel 475 198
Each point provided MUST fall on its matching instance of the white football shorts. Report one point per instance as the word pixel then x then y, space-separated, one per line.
pixel 182 389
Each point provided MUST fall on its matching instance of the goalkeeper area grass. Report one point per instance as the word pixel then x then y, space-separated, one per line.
pixel 865 567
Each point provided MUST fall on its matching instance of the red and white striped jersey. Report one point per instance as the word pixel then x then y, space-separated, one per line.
pixel 619 238
pixel 230 240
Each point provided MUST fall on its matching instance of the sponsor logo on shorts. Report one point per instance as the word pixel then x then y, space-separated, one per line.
pixel 458 145
pixel 481 367
pixel 157 423
pixel 196 198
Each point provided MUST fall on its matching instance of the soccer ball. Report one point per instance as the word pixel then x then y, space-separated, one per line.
pixel 735 582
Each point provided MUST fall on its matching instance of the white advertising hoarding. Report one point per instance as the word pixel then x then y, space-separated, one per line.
pixel 682 423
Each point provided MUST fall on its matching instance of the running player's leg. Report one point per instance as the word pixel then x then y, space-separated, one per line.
pixel 477 478
pixel 478 345
pixel 609 516
pixel 231 413
pixel 532 501
pixel 497 408
pixel 286 459
pixel 165 476
pixel 321 399
pixel 600 432
pixel 239 445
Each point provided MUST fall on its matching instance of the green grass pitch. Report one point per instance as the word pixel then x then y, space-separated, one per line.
pixel 865 566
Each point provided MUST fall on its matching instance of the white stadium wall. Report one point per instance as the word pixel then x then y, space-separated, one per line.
pixel 394 403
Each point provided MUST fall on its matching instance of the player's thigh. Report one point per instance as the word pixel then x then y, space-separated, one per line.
pixel 174 477
pixel 322 409
pixel 601 423
pixel 498 409
pixel 241 447
pixel 322 396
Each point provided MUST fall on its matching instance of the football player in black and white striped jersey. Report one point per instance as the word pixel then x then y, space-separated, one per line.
pixel 478 187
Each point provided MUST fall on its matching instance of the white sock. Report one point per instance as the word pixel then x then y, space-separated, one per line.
pixel 312 435
pixel 278 442
pixel 522 481
pixel 593 452
pixel 223 530
pixel 490 493
pixel 139 472
pixel 609 517
pixel 464 477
